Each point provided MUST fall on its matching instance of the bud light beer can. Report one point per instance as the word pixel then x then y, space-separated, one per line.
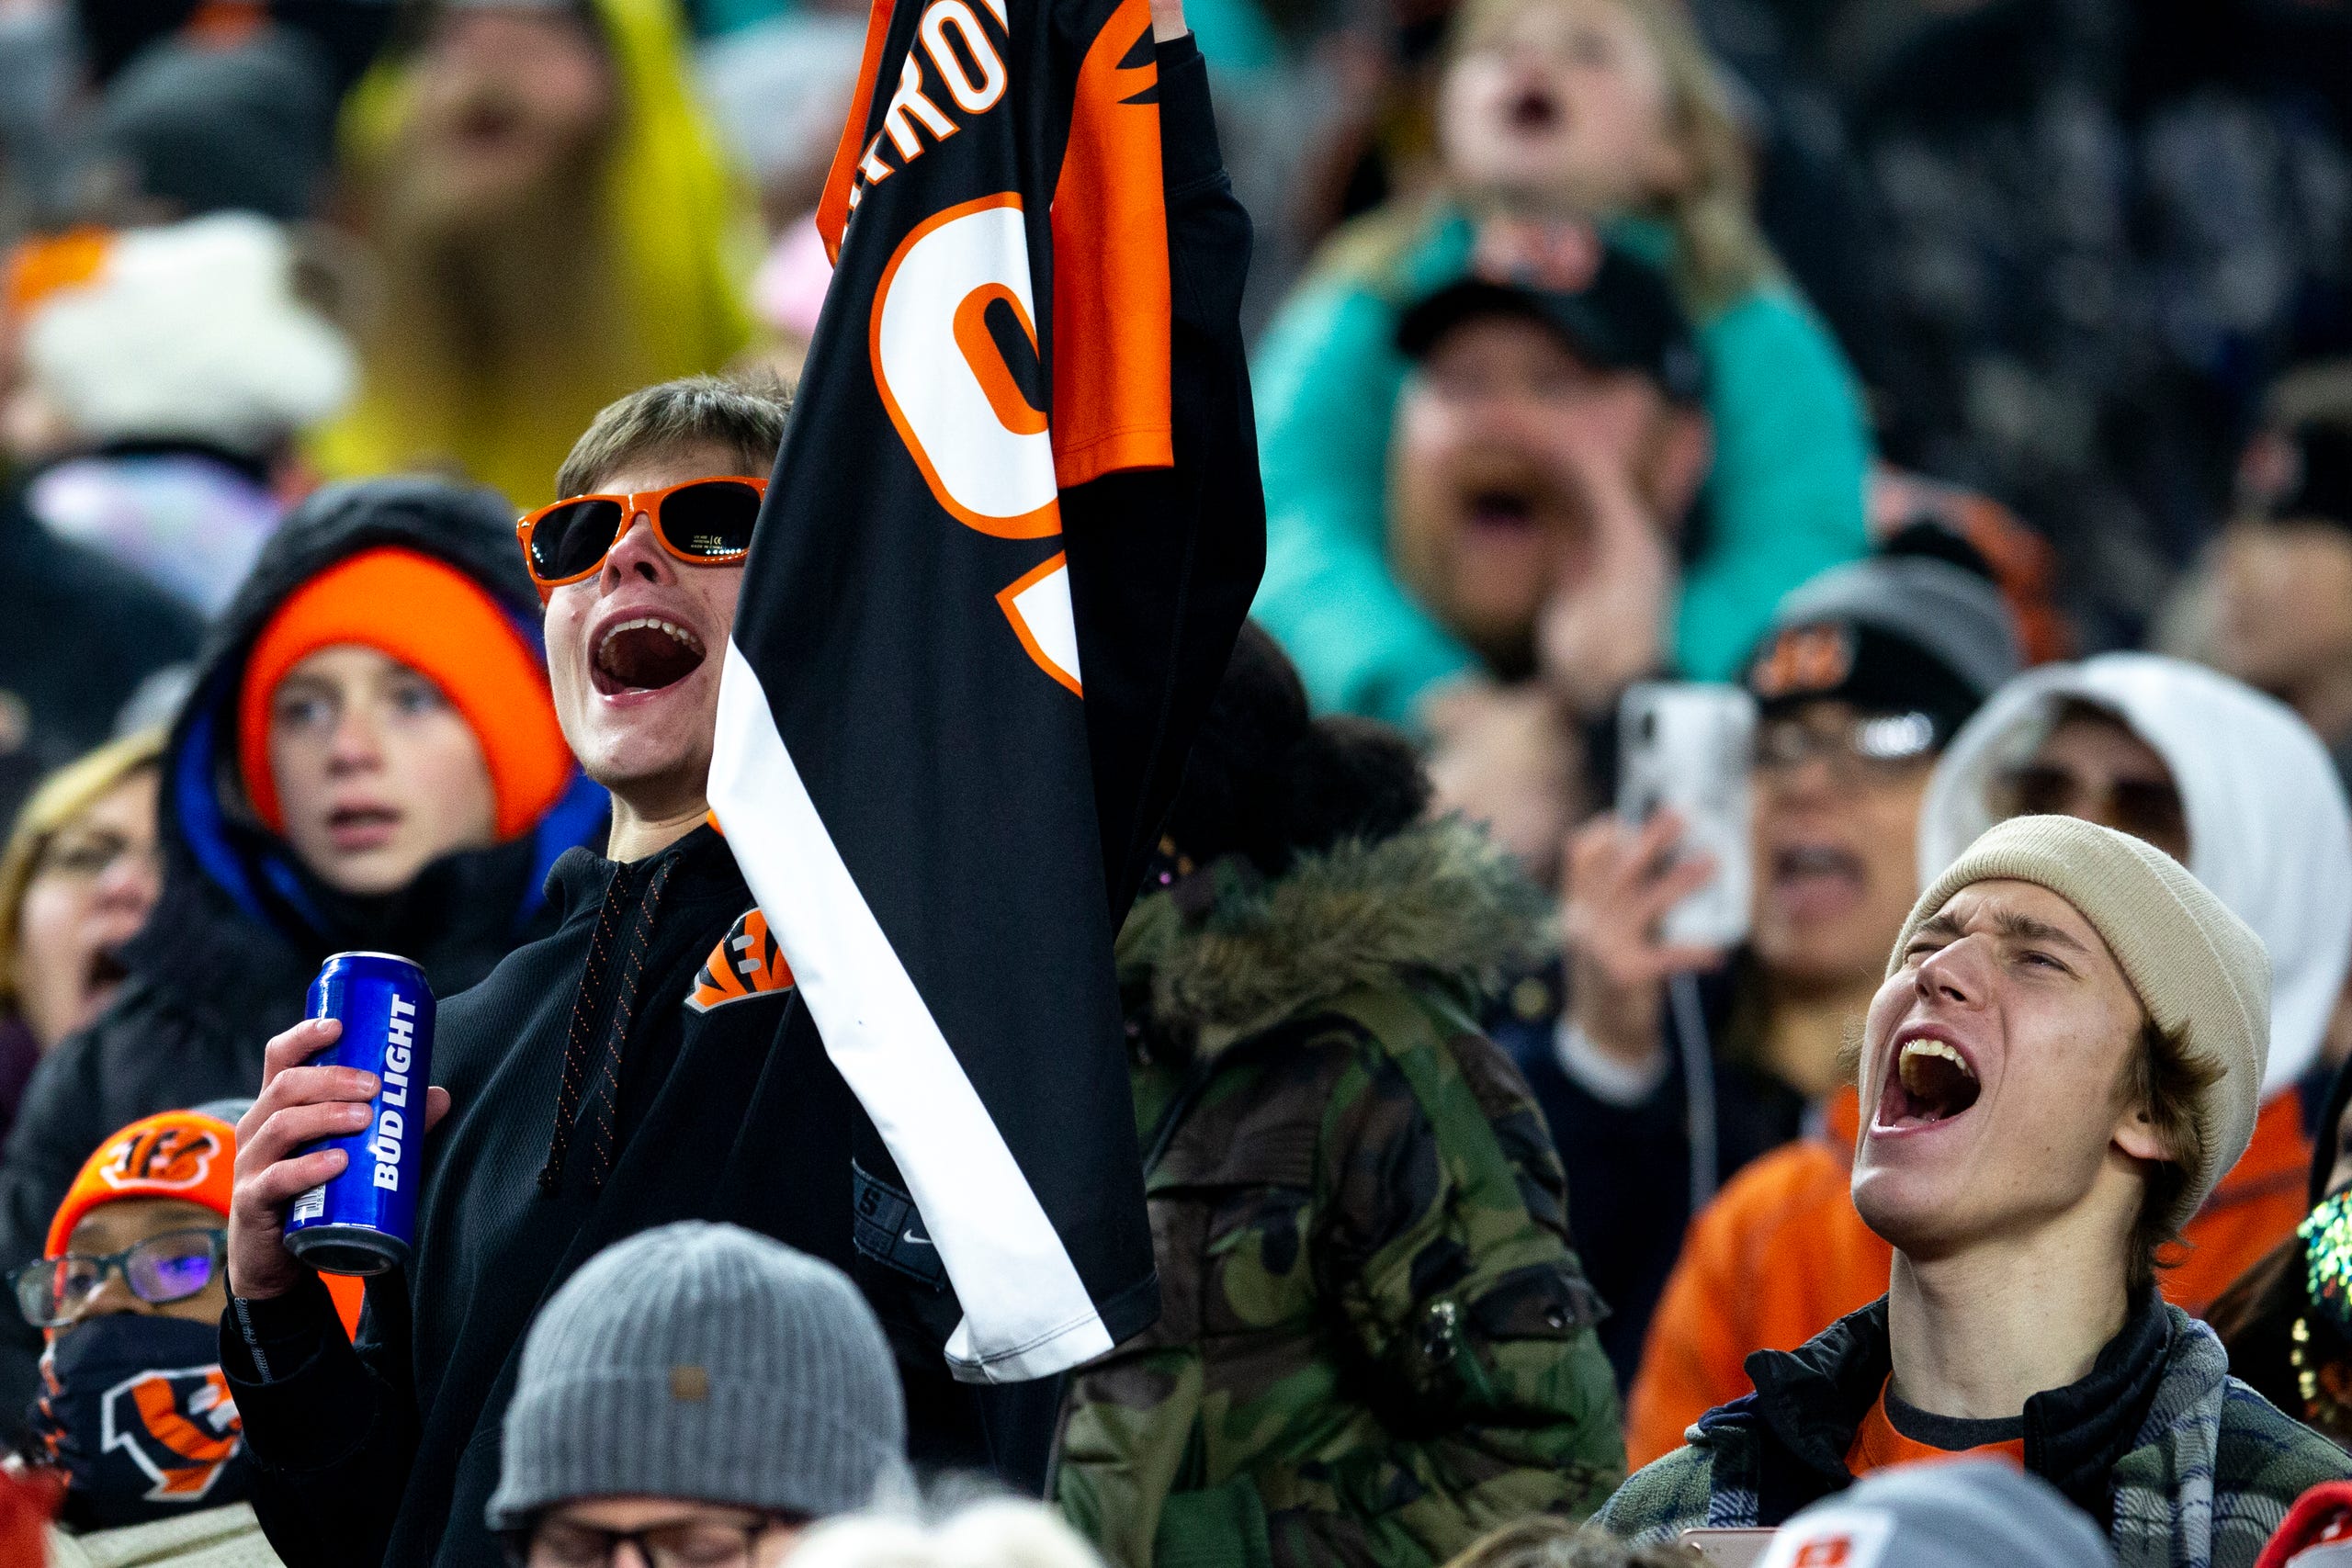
pixel 364 1221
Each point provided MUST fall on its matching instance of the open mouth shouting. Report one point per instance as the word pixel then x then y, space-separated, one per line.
pixel 643 653
pixel 1500 509
pixel 1818 879
pixel 1503 497
pixel 1534 110
pixel 1933 1081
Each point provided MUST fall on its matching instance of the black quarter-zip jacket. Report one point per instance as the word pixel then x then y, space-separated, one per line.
pixel 591 1099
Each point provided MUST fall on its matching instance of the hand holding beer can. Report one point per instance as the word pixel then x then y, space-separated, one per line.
pixel 364 1221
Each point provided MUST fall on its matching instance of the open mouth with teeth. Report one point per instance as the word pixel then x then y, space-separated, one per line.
pixel 644 655
pixel 1932 1082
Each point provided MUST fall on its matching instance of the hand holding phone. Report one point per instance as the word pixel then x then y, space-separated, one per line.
pixel 1685 747
pixel 1621 879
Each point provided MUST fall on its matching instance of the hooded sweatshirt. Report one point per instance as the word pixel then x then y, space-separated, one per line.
pixel 239 926
pixel 2268 831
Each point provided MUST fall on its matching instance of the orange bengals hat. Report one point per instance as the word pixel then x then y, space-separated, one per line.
pixel 174 1154
pixel 446 627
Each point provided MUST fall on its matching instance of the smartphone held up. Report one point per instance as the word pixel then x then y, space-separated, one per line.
pixel 1684 747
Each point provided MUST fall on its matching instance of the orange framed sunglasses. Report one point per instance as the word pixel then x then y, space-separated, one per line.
pixel 705 521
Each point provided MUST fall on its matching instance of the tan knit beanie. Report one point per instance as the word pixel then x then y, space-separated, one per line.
pixel 2201 973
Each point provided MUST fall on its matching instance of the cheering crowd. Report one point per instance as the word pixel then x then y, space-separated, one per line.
pixel 1959 394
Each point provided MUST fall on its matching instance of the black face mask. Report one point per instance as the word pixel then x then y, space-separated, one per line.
pixel 135 1413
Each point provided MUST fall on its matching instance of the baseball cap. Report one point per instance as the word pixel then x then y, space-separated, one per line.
pixel 1897 634
pixel 1622 316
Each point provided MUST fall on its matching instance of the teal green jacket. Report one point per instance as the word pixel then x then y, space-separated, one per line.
pixel 1783 502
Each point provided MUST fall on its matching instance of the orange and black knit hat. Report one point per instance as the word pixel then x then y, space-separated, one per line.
pixel 438 621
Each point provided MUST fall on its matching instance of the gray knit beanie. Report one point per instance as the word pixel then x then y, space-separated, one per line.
pixel 2199 970
pixel 1969 1513
pixel 707 1362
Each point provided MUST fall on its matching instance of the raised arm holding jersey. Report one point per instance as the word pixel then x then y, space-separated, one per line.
pixel 656 1059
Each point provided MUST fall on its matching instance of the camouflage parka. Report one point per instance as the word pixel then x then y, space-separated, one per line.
pixel 1376 1340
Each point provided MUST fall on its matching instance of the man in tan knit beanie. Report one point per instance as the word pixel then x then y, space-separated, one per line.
pixel 2063 1059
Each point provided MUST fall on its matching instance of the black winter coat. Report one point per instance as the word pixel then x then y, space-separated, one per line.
pixel 389 1450
pixel 1631 1176
pixel 240 929
pixel 81 633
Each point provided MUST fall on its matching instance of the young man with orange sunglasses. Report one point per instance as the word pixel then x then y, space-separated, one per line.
pixel 649 1062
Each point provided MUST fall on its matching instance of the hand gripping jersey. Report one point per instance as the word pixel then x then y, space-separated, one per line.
pixel 902 764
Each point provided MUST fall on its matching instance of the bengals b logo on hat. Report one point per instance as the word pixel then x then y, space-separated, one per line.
pixel 157 1159
pixel 1803 660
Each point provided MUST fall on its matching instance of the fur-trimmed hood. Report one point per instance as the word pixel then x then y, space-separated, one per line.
pixel 1225 955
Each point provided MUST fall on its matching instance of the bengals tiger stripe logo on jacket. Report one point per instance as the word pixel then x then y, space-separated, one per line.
pixel 747 963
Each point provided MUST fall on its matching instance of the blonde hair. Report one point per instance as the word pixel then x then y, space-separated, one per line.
pixel 61 797
pixel 1720 253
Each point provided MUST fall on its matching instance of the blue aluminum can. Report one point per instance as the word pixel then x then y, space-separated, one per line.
pixel 364 1221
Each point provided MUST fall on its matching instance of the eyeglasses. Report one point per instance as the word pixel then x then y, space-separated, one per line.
pixel 2148 809
pixel 702 522
pixel 1872 746
pixel 53 1291
pixel 88 856
pixel 688 1543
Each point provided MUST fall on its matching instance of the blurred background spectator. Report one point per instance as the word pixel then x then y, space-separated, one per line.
pixel 80 872
pixel 2280 583
pixel 547 222
pixel 233 120
pixel 158 399
pixel 1548 448
pixel 1561 123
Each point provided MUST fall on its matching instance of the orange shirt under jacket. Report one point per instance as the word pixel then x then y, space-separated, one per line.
pixel 1879 1444
pixel 1780 1255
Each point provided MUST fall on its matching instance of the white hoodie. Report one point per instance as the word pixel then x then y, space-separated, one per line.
pixel 2269 830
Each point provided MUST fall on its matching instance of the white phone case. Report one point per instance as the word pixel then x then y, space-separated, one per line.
pixel 1686 745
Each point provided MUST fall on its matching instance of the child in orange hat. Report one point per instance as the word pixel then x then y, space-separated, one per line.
pixel 133 1411
pixel 369 761
pixel 134 1416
